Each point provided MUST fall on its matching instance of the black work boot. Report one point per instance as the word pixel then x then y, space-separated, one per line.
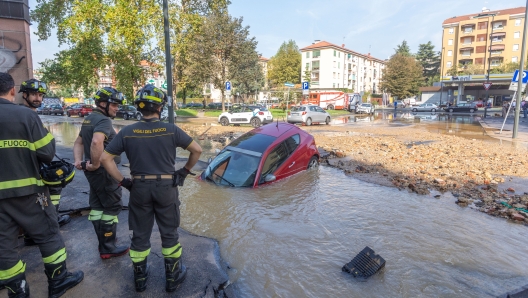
pixel 141 273
pixel 107 240
pixel 62 219
pixel 17 286
pixel 60 280
pixel 175 273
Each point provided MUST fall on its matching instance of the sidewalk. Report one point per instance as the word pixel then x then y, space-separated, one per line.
pixel 492 125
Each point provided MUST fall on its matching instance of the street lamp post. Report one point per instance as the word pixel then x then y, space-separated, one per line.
pixel 521 72
pixel 168 59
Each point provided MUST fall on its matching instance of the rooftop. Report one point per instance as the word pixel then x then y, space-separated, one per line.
pixel 508 11
pixel 324 44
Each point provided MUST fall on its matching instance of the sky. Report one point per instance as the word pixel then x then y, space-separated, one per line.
pixel 364 26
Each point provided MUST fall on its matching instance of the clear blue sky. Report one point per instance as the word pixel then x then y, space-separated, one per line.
pixel 377 26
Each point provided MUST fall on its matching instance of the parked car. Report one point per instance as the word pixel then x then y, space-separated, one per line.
pixel 462 107
pixel 215 105
pixel 426 107
pixel 41 108
pixel 254 115
pixel 194 105
pixel 165 114
pixel 366 108
pixel 53 109
pixel 263 155
pixel 79 109
pixel 308 115
pixel 127 112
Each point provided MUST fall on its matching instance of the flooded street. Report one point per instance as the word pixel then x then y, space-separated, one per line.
pixel 291 238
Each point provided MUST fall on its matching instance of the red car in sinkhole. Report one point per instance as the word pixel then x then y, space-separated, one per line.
pixel 263 155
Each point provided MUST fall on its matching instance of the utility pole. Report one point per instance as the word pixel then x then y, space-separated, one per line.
pixel 441 73
pixel 168 59
pixel 521 75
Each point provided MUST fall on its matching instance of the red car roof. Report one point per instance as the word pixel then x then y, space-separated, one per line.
pixel 274 129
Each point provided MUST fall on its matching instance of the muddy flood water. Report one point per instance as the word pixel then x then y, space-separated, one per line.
pixel 291 238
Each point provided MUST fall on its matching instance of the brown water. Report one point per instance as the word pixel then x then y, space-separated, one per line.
pixel 291 238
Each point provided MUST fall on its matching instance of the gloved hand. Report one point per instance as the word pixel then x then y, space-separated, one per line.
pixel 126 183
pixel 180 175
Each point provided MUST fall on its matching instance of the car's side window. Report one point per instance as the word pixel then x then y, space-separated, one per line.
pixel 292 143
pixel 319 109
pixel 276 157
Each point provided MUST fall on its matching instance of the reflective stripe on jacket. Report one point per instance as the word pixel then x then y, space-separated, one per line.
pixel 24 144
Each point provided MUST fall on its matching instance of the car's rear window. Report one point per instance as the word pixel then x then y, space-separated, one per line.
pixel 295 109
pixel 253 142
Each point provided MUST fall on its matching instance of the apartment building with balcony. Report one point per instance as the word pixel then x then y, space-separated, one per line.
pixel 333 66
pixel 488 38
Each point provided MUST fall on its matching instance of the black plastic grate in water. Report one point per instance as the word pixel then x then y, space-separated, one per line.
pixel 365 264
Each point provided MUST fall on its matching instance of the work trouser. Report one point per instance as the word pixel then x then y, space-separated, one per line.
pixel 55 194
pixel 105 196
pixel 40 224
pixel 149 199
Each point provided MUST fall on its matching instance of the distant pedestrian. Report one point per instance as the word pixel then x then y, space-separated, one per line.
pixel 524 106
pixel 395 105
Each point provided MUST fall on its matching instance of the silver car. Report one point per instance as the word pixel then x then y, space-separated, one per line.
pixel 366 108
pixel 426 107
pixel 308 115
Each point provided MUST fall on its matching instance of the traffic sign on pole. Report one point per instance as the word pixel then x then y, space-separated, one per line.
pixel 305 85
pixel 228 86
pixel 515 78
pixel 486 85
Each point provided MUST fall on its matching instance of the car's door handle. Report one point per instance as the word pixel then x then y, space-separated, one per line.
pixel 291 165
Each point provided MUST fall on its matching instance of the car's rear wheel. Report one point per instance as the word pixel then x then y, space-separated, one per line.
pixel 327 121
pixel 433 110
pixel 313 163
pixel 224 121
pixel 138 117
pixel 471 110
pixel 80 114
pixel 308 121
pixel 255 122
pixel 450 110
pixel 125 117
pixel 415 110
pixel 330 107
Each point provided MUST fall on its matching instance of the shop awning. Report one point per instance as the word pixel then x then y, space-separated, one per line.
pixel 497 47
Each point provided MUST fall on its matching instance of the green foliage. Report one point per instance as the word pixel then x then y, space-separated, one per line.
pixel 402 76
pixel 216 48
pixel 365 96
pixel 307 75
pixel 403 49
pixel 212 113
pixel 246 72
pixel 429 59
pixel 186 112
pixel 285 66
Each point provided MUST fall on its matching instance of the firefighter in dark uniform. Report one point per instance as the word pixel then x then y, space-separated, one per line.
pixel 24 144
pixel 33 92
pixel 105 193
pixel 150 146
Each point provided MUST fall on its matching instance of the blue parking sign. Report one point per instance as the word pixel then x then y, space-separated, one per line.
pixel 305 86
pixel 228 86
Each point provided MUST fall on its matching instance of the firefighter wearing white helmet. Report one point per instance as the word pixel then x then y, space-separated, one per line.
pixel 150 146
pixel 105 193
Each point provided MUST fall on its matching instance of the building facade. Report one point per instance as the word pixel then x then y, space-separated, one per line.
pixel 331 66
pixel 488 38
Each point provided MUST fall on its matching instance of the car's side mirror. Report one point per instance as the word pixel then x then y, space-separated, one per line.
pixel 270 178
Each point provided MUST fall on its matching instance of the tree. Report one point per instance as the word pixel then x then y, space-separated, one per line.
pixel 429 59
pixel 214 51
pixel 285 66
pixel 403 49
pixel 246 71
pixel 307 75
pixel 402 76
